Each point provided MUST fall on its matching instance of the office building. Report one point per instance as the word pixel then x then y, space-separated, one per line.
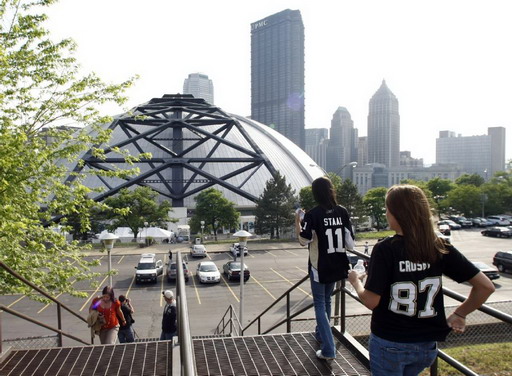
pixel 342 143
pixel 200 86
pixel 277 74
pixel 384 128
pixel 362 151
pixel 317 140
pixel 483 155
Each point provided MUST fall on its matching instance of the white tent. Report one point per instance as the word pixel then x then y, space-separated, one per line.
pixel 126 235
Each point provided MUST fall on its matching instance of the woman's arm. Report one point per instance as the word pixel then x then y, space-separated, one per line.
pixel 369 299
pixel 481 289
pixel 120 314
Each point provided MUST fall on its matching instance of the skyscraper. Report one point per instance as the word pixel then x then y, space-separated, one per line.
pixel 277 73
pixel 200 86
pixel 384 128
pixel 342 147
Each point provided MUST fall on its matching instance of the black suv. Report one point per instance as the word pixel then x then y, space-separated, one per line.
pixel 503 260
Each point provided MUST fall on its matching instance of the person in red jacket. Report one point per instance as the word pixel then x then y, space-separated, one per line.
pixel 110 308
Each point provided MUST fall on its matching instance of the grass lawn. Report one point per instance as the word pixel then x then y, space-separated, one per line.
pixel 490 359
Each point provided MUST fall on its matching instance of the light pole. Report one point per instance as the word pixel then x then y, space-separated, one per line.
pixel 202 228
pixel 351 164
pixel 146 235
pixel 108 241
pixel 242 241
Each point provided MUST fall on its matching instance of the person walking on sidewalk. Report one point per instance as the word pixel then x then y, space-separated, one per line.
pixel 126 333
pixel 169 317
pixel 366 248
pixel 327 231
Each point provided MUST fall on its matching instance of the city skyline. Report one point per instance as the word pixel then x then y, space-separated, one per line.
pixel 447 63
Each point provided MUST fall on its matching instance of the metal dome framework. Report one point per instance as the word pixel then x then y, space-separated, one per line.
pixel 178 128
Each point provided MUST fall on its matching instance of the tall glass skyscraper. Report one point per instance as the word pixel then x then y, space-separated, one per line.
pixel 384 128
pixel 200 86
pixel 277 73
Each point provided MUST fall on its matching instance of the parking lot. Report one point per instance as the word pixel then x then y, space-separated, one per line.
pixel 274 269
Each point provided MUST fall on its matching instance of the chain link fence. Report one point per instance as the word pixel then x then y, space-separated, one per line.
pixel 480 327
pixel 28 343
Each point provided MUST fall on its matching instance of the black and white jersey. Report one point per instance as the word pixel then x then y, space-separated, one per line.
pixel 411 307
pixel 329 234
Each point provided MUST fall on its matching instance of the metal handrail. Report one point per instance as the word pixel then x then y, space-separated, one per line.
pixel 221 326
pixel 25 317
pixel 60 305
pixel 188 365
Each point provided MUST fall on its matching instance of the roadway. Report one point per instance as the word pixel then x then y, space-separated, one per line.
pixel 274 269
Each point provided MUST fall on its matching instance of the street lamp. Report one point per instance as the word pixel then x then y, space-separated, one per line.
pixel 108 239
pixel 202 228
pixel 242 241
pixel 351 164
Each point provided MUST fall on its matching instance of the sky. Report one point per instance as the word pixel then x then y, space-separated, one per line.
pixel 449 62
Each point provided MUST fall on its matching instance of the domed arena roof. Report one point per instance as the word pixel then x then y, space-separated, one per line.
pixel 195 146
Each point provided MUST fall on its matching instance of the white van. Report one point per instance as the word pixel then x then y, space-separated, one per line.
pixel 149 268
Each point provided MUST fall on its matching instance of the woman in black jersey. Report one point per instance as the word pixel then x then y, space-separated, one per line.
pixel 404 288
pixel 327 230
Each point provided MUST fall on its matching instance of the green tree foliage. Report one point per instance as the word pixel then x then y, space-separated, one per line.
pixel 215 210
pixel 470 179
pixel 439 187
pixel 275 207
pixel 348 196
pixel 375 203
pixel 306 199
pixel 465 199
pixel 132 208
pixel 41 87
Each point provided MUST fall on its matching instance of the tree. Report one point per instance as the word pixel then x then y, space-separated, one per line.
pixel 470 179
pixel 375 202
pixel 465 199
pixel 275 207
pixel 132 208
pixel 348 196
pixel 215 210
pixel 40 89
pixel 306 199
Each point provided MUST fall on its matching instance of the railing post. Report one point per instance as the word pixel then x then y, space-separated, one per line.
pixel 343 308
pixel 259 325
pixel 59 324
pixel 1 312
pixel 433 368
pixel 337 304
pixel 288 321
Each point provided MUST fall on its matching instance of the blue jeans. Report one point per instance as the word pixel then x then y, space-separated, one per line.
pixel 389 358
pixel 167 336
pixel 126 335
pixel 322 301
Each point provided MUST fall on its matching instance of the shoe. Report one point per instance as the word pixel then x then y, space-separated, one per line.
pixel 319 355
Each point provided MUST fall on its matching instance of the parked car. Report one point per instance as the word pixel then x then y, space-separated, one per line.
pixel 463 221
pixel 207 272
pixel 497 232
pixel 503 260
pixel 496 220
pixel 480 222
pixel 198 250
pixel 449 222
pixel 232 269
pixel 172 271
pixel 445 230
pixel 489 271
pixel 447 238
pixel 148 268
pixel 235 249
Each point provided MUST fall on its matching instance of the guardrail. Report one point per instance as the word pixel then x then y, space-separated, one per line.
pixel 229 320
pixel 188 366
pixel 58 330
